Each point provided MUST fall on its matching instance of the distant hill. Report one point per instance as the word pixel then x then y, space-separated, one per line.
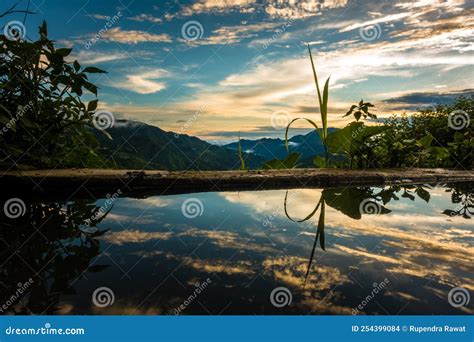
pixel 137 145
pixel 309 145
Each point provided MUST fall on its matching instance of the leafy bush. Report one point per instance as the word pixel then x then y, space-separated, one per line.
pixel 425 139
pixel 45 120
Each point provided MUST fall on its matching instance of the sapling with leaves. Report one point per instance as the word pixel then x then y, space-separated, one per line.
pixel 361 110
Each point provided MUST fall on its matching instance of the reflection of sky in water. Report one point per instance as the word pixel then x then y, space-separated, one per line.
pixel 246 246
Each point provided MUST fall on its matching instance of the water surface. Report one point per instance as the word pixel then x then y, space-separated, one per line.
pixel 365 250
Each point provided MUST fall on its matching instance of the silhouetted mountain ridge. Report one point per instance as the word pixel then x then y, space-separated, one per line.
pixel 136 145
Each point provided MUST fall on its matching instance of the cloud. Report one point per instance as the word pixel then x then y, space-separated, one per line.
pixel 233 34
pixel 145 82
pixel 145 18
pixel 273 8
pixel 419 100
pixel 300 9
pixel 219 6
pixel 116 34
pixel 388 18
pixel 268 85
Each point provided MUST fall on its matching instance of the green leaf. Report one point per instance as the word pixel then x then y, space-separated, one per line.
pixel 77 66
pixel 43 30
pixel 315 76
pixel 94 70
pixel 63 52
pixel 423 194
pixel 319 162
pixel 92 105
pixel 349 112
pixel 287 163
pixel 288 127
pixel 89 86
pixel 324 109
pixel 357 115
pixel 426 141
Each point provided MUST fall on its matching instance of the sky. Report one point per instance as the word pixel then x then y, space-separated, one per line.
pixel 214 68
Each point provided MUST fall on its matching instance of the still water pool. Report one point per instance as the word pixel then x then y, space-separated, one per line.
pixel 366 250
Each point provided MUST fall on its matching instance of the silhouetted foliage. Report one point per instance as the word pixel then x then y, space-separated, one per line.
pixel 45 119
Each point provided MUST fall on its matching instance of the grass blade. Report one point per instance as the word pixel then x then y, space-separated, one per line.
pixel 288 127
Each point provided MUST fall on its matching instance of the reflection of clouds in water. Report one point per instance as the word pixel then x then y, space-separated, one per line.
pixel 270 202
pixel 418 240
pixel 219 266
pixel 126 309
pixel 291 270
pixel 149 202
pixel 134 236
pixel 223 239
pixel 318 293
pixel 128 219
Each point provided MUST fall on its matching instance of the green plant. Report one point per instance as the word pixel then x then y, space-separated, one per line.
pixel 289 162
pixel 352 140
pixel 361 110
pixel 241 157
pixel 46 121
pixel 323 109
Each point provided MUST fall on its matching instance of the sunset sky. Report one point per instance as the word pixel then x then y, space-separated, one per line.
pixel 212 68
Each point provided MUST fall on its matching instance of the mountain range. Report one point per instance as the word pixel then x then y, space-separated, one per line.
pixel 136 145
pixel 308 145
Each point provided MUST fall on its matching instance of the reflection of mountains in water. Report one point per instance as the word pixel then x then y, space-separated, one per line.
pixel 55 244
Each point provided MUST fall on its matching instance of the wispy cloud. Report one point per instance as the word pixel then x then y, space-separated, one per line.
pixel 233 34
pixel 147 82
pixel 273 8
pixel 143 17
pixel 118 35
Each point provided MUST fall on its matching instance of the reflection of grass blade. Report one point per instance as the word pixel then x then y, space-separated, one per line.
pixel 321 223
pixel 319 235
pixel 306 218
